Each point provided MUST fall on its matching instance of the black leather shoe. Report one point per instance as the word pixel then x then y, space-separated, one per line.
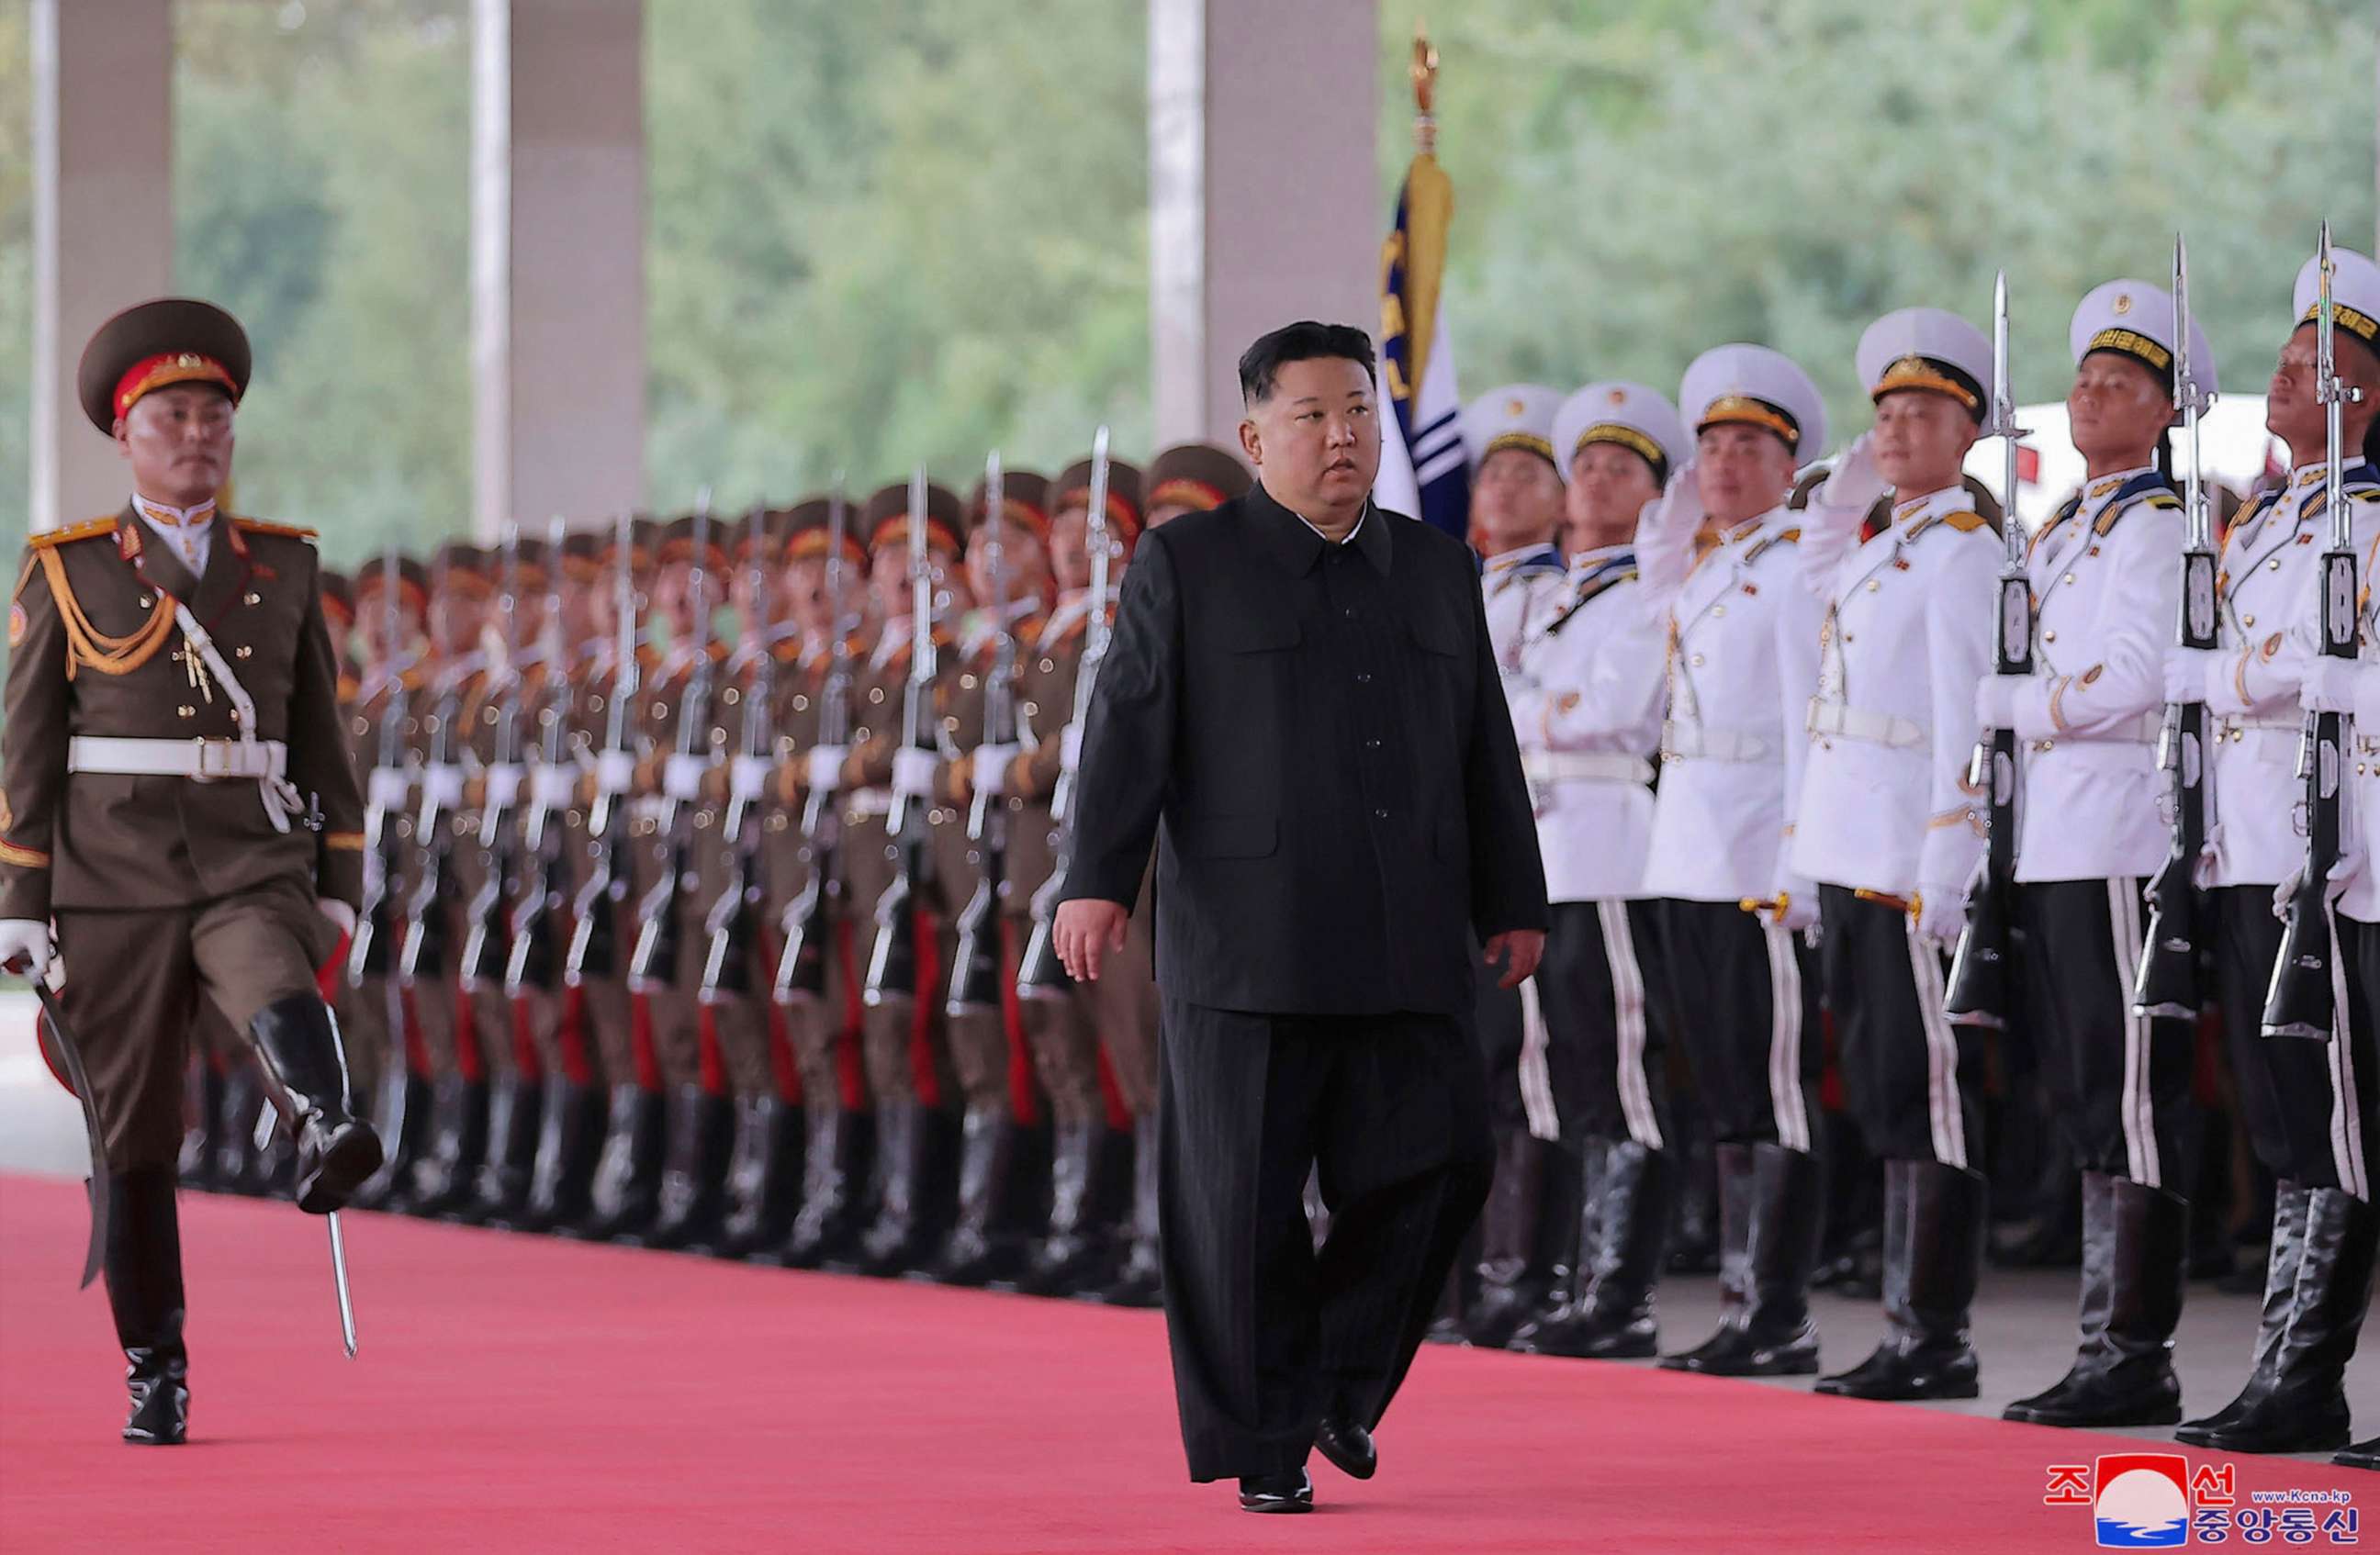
pixel 1348 1446
pixel 144 1292
pixel 2363 1454
pixel 1277 1492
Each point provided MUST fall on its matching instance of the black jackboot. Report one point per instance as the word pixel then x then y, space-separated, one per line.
pixel 2134 1243
pixel 458 1144
pixel 2290 1201
pixel 2363 1454
pixel 914 1149
pixel 202 1097
pixel 628 1192
pixel 1770 1333
pixel 1072 1254
pixel 1512 1279
pixel 143 1263
pixel 978 1249
pixel 835 1172
pixel 1141 1282
pixel 569 1144
pixel 297 1043
pixel 2302 1403
pixel 694 1170
pixel 401 1118
pixel 1623 1225
pixel 237 1169
pixel 500 1193
pixel 764 1176
pixel 1933 1227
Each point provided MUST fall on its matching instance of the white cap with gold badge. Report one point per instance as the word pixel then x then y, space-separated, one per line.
pixel 1517 416
pixel 1753 386
pixel 1628 414
pixel 2354 294
pixel 2135 319
pixel 1928 349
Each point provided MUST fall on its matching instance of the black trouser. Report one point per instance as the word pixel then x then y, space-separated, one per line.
pixel 1498 1020
pixel 2333 1087
pixel 1270 1333
pixel 1912 1080
pixel 1605 1051
pixel 2119 1083
pixel 1747 1000
pixel 2283 1084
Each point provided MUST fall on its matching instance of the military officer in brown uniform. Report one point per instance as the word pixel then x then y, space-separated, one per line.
pixel 1088 1167
pixel 177 813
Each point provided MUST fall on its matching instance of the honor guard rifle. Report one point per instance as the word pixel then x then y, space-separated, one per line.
pixel 654 965
pixel 893 962
pixel 487 943
pixel 809 918
pixel 1040 974
pixel 734 921
pixel 2301 1001
pixel 430 915
pixel 597 936
pixel 538 947
pixel 977 967
pixel 380 928
pixel 2168 981
pixel 1979 986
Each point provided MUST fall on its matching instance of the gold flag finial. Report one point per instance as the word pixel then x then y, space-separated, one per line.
pixel 1425 86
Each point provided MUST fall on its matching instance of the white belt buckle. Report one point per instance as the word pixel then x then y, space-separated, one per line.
pixel 214 766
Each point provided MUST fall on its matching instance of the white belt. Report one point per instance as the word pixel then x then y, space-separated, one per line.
pixel 1889 729
pixel 870 801
pixel 1584 766
pixel 2293 722
pixel 2143 729
pixel 202 759
pixel 1693 742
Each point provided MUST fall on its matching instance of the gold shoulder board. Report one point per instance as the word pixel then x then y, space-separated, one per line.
pixel 257 527
pixel 83 531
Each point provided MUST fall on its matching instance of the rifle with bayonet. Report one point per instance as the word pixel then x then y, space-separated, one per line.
pixel 977 967
pixel 2168 981
pixel 538 948
pixel 379 928
pixel 1040 974
pixel 598 937
pixel 734 921
pixel 1979 988
pixel 430 915
pixel 809 917
pixel 892 961
pixel 487 943
pixel 2301 1001
pixel 654 964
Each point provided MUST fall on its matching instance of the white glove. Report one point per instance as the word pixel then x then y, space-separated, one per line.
pixel 1941 912
pixel 682 777
pixel 615 771
pixel 2288 889
pixel 554 787
pixel 826 766
pixel 504 785
pixel 342 916
pixel 387 786
pixel 1679 509
pixel 1996 698
pixel 1855 484
pixel 1794 907
pixel 1070 748
pixel 25 940
pixel 992 768
pixel 442 784
pixel 2189 672
pixel 748 778
pixel 2329 684
pixel 913 772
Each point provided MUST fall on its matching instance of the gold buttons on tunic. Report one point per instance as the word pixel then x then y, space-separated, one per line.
pixel 729 696
pixel 185 711
pixel 243 651
pixel 875 694
pixel 146 601
pixel 1697 661
pixel 661 709
pixel 801 703
pixel 967 683
pixel 1028 709
pixel 2273 565
pixel 1875 583
pixel 2050 636
pixel 253 598
pixel 1718 609
pixel 2247 620
pixel 2070 577
pixel 949 723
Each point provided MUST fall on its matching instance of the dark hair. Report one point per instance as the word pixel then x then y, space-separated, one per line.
pixel 1304 341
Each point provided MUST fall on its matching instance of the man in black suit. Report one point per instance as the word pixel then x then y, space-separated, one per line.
pixel 1300 705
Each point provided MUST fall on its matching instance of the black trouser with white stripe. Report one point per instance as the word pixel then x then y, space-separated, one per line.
pixel 2119 1081
pixel 1748 1008
pixel 1603 1052
pixel 2326 1091
pixel 1912 1080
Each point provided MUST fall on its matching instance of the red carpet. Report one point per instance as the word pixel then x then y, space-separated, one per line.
pixel 518 1393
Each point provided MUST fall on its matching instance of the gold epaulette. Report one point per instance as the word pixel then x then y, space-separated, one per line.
pixel 257 527
pixel 1783 537
pixel 83 531
pixel 1966 523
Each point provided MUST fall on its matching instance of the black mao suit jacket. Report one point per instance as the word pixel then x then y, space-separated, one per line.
pixel 1315 738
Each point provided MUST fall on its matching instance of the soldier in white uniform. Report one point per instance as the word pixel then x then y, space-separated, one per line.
pixel 1588 719
pixel 1887 826
pixel 2310 1105
pixel 1743 656
pixel 2105 574
pixel 1516 512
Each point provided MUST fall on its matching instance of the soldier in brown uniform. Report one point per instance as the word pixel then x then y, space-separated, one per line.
pixel 1089 1165
pixel 1002 1185
pixel 906 1041
pixel 177 813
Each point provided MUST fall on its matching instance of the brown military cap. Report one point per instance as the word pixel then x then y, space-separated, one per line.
pixel 459 567
pixel 1024 497
pixel 1124 493
pixel 886 519
pixel 808 528
pixel 338 599
pixel 582 554
pixel 1196 476
pixel 412 581
pixel 675 541
pixel 169 340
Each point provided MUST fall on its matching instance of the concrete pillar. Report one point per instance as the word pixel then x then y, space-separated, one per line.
pixel 1264 197
pixel 103 221
pixel 557 259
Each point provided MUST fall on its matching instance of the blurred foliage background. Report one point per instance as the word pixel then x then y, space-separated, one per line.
pixel 900 231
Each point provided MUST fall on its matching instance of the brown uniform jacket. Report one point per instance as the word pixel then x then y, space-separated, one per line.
pixel 95 652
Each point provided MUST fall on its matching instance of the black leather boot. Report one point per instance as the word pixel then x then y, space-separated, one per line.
pixel 1141 1282
pixel 236 1167
pixel 628 1191
pixel 458 1144
pixel 764 1178
pixel 1731 1170
pixel 1071 1255
pixel 1934 1225
pixel 1771 1334
pixel 2363 1454
pixel 835 1172
pixel 694 1170
pixel 203 1095
pixel 978 1249
pixel 500 1193
pixel 1623 1226
pixel 569 1144
pixel 2290 1200
pixel 401 1118
pixel 2301 1406
pixel 2134 1243
pixel 897 1240
pixel 144 1263
pixel 297 1043
pixel 1510 1275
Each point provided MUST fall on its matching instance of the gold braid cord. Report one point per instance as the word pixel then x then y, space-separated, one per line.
pixel 86 645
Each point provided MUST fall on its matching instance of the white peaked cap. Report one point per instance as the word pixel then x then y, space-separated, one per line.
pixel 1628 414
pixel 1929 349
pixel 1754 386
pixel 1517 416
pixel 2135 319
pixel 2354 294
